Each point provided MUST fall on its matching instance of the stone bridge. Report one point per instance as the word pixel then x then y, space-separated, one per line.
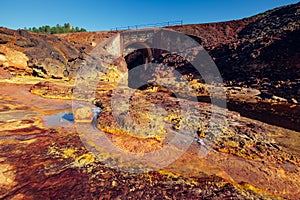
pixel 141 46
pixel 151 41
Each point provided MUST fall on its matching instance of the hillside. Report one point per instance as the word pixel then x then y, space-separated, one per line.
pixel 56 128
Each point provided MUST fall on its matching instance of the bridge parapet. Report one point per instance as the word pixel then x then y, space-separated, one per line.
pixel 153 25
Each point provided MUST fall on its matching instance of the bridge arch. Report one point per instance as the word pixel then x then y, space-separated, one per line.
pixel 137 54
pixel 139 46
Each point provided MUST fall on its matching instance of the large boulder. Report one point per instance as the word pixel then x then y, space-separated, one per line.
pixel 14 62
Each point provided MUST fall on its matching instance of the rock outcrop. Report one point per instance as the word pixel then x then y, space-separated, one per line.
pixel 47 56
pixel 14 61
pixel 265 55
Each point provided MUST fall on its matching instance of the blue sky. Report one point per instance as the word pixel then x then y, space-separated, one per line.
pixel 106 14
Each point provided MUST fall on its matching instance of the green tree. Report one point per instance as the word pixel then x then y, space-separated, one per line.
pixel 66 28
pixel 47 29
pixel 34 29
pixel 82 30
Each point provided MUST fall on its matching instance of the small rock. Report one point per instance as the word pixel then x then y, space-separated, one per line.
pixel 294 101
pixel 83 114
pixel 278 99
pixel 114 183
pixel 93 44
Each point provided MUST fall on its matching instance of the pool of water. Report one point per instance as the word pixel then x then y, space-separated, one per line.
pixel 63 119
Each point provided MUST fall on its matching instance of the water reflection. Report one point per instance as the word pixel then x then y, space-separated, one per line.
pixel 60 119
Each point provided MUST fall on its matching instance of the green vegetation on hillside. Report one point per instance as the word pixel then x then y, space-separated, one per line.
pixel 66 28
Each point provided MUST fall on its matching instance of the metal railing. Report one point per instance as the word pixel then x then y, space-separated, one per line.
pixel 140 26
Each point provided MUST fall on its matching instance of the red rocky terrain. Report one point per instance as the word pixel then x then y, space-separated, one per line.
pixel 254 155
